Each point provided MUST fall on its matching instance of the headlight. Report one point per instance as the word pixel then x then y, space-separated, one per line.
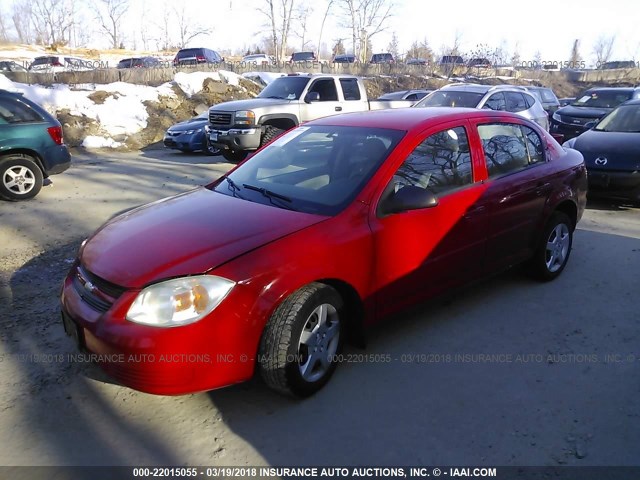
pixel 191 132
pixel 245 117
pixel 180 301
pixel 556 117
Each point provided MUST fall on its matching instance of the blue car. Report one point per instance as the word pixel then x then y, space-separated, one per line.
pixel 188 136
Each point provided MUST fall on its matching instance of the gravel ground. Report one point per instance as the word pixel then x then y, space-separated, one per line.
pixel 561 389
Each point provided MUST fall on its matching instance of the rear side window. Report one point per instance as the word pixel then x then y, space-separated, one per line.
pixel 14 111
pixel 509 148
pixel 441 163
pixel 496 102
pixel 515 102
pixel 529 99
pixel 350 88
pixel 548 95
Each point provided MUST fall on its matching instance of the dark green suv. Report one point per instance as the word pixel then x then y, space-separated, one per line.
pixel 31 147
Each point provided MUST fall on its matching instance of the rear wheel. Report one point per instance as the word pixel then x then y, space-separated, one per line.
pixel 20 177
pixel 553 252
pixel 234 156
pixel 300 341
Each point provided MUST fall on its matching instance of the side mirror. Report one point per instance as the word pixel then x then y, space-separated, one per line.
pixel 591 124
pixel 408 198
pixel 312 97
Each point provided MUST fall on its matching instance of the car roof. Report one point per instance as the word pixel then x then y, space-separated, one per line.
pixel 477 88
pixel 410 119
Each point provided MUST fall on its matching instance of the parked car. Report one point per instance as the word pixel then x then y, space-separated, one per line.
pixel 11 66
pixel 616 64
pixel 196 56
pixel 259 59
pixel 500 97
pixel 417 61
pixel 303 57
pixel 382 58
pixel 240 127
pixel 611 151
pixel 479 63
pixel 59 63
pixel 190 136
pixel 546 96
pixel 590 106
pixel 412 95
pixel 344 58
pixel 31 147
pixel 566 101
pixel 139 62
pixel 452 60
pixel 275 264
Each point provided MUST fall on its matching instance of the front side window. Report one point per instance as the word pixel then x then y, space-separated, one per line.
pixel 313 169
pixel 509 148
pixel 326 88
pixel 440 164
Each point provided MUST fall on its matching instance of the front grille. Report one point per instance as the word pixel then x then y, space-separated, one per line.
pixel 93 289
pixel 220 119
pixel 576 120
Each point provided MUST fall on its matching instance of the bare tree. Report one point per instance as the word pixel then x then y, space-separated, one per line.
pixel 324 19
pixel 4 26
pixel 280 15
pixel 21 17
pixel 515 56
pixel 365 19
pixel 575 57
pixel 109 14
pixel 603 49
pixel 53 20
pixel 303 14
pixel 394 48
pixel 188 27
pixel 421 50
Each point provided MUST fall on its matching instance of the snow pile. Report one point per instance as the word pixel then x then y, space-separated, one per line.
pixel 264 77
pixel 93 141
pixel 191 83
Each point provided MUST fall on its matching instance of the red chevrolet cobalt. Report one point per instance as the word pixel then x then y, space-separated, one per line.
pixel 332 226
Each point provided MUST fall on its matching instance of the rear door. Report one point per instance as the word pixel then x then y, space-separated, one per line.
pixel 517 190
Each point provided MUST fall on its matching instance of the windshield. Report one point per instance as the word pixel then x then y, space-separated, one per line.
pixel 625 118
pixel 286 88
pixel 312 169
pixel 602 99
pixel 451 98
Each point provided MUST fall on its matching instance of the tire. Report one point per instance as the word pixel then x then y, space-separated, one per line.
pixel 209 149
pixel 270 132
pixel 308 319
pixel 553 252
pixel 20 177
pixel 234 156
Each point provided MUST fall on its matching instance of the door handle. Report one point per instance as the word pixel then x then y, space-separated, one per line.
pixel 543 188
pixel 338 109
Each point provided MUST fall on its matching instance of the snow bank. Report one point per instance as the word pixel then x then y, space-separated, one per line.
pixel 191 83
pixel 265 77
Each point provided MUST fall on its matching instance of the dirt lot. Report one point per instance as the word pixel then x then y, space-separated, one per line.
pixel 568 395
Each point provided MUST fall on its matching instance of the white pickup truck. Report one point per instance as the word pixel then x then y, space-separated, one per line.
pixel 239 127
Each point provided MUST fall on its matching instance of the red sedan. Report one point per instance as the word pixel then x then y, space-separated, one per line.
pixel 332 226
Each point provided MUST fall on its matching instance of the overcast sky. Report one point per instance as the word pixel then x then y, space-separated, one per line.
pixel 548 26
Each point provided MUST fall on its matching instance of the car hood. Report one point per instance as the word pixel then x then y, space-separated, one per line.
pixel 189 124
pixel 248 104
pixel 622 150
pixel 187 234
pixel 583 112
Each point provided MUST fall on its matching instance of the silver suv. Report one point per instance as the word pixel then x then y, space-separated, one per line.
pixel 500 97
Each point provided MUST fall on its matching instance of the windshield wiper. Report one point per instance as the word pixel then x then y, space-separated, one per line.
pixel 233 186
pixel 270 195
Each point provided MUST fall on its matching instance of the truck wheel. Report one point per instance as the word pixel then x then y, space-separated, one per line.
pixel 554 249
pixel 234 156
pixel 299 344
pixel 20 177
pixel 270 132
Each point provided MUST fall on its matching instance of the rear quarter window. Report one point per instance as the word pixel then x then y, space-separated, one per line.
pixel 13 111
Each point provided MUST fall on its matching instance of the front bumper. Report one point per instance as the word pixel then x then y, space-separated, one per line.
pixel 217 351
pixel 236 139
pixel 614 184
pixel 566 130
pixel 184 142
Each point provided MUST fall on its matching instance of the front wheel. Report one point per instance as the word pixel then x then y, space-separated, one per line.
pixel 234 156
pixel 20 177
pixel 300 342
pixel 553 252
pixel 209 149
